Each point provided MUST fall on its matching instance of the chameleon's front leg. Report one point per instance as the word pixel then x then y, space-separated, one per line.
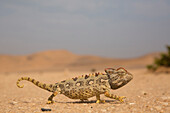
pixel 119 98
pixel 50 99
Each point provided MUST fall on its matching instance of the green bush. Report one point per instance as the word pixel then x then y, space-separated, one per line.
pixel 163 61
pixel 151 67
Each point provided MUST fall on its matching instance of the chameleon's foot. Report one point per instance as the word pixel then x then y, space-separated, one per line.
pixel 100 101
pixel 50 102
pixel 50 99
pixel 121 98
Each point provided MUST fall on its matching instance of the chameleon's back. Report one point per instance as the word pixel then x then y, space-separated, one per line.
pixel 85 86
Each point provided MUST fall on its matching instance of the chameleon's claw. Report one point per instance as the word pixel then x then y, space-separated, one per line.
pixel 121 98
pixel 100 101
pixel 50 102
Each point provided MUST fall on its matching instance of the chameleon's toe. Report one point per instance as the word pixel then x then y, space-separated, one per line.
pixel 100 101
pixel 50 102
pixel 121 98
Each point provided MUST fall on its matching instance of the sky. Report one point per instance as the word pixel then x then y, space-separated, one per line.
pixel 107 28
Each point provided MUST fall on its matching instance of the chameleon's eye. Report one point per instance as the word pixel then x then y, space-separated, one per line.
pixel 110 70
pixel 121 69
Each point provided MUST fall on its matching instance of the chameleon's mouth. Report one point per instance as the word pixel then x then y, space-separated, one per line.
pixel 129 77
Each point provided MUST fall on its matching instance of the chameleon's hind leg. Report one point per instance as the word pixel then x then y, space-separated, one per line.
pixel 119 98
pixel 50 99
pixel 98 99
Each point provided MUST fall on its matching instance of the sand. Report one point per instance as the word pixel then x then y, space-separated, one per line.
pixel 146 93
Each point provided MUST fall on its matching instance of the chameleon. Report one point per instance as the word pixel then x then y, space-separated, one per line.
pixel 86 86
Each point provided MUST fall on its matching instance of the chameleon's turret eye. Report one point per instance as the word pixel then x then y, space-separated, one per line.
pixel 121 69
pixel 110 71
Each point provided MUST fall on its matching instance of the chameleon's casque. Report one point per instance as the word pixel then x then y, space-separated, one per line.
pixel 87 86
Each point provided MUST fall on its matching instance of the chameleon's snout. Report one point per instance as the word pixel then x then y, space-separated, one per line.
pixel 128 77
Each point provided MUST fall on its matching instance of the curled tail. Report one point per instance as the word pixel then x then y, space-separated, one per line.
pixel 37 83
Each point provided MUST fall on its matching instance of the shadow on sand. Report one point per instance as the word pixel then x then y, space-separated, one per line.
pixel 90 102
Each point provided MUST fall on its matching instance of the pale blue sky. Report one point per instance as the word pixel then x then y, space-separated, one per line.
pixel 110 28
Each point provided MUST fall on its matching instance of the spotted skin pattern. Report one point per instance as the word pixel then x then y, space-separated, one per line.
pixel 86 86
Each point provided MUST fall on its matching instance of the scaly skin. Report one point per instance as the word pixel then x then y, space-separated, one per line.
pixel 87 86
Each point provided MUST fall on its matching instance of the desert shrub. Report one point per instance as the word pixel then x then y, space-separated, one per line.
pixel 151 67
pixel 163 61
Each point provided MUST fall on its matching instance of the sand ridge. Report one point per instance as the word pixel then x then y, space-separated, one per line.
pixel 63 59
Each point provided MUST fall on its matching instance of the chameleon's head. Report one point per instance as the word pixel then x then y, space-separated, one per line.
pixel 118 77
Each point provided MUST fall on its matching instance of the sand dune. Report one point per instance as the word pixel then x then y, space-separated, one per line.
pixel 62 59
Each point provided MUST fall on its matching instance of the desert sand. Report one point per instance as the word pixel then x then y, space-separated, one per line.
pixel 146 93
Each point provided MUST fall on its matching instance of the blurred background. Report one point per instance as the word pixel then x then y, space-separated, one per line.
pixel 53 40
pixel 76 34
